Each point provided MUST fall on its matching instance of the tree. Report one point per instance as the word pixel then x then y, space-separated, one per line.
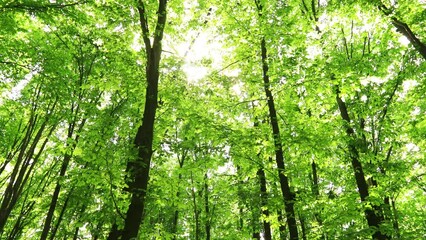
pixel 138 169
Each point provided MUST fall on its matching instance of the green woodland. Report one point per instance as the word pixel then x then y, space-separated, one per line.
pixel 209 119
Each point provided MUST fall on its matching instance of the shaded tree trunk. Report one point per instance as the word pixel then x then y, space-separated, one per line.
pixel 176 213
pixel 181 161
pixel 283 234
pixel 256 235
pixel 61 215
pixel 196 211
pixel 75 236
pixel 264 204
pixel 206 207
pixel 303 226
pixel 288 196
pixel 315 192
pixel 395 220
pixel 373 216
pixel 114 233
pixel 240 223
pixel 138 169
pixel 67 158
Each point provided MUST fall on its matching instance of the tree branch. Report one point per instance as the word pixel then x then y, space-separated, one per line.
pixel 405 30
pixel 161 23
pixel 40 7
pixel 144 25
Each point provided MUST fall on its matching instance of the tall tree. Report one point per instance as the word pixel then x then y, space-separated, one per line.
pixel 138 168
pixel 288 196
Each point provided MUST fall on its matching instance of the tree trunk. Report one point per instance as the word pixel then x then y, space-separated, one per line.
pixel 264 204
pixel 196 212
pixel 75 236
pixel 283 234
pixel 395 220
pixel 288 196
pixel 138 169
pixel 181 161
pixel 303 226
pixel 373 216
pixel 176 213
pixel 315 192
pixel 256 235
pixel 61 215
pixel 114 233
pixel 64 166
pixel 206 207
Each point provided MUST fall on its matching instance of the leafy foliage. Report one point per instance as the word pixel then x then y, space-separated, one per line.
pixel 73 76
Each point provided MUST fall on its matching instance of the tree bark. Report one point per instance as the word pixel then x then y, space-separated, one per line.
pixel 303 226
pixel 114 233
pixel 138 169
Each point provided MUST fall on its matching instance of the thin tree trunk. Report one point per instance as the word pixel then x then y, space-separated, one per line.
pixel 8 195
pixel 96 235
pixel 61 215
pixel 75 126
pixel 315 192
pixel 373 217
pixel 206 207
pixel 395 220
pixel 196 212
pixel 64 166
pixel 176 214
pixel 19 224
pixel 283 234
pixel 75 236
pixel 240 223
pixel 303 226
pixel 53 202
pixel 264 204
pixel 288 196
pixel 138 168
pixel 77 229
pixel 24 216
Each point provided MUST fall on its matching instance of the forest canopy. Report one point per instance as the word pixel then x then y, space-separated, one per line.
pixel 207 119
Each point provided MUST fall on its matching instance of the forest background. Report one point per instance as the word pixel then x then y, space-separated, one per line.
pixel 146 119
